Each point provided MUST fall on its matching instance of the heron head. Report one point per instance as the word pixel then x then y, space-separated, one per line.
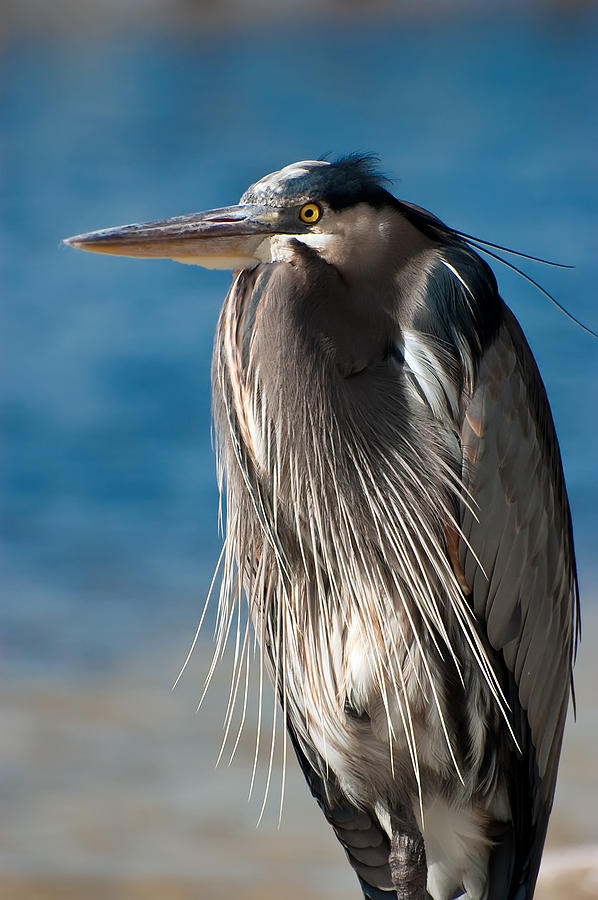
pixel 341 210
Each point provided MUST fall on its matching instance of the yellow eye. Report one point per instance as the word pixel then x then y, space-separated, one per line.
pixel 310 213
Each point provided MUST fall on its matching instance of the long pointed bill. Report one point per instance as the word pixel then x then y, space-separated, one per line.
pixel 225 238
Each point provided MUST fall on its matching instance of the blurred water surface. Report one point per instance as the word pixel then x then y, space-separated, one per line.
pixel 109 501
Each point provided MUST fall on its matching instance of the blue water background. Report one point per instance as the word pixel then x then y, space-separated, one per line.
pixel 109 503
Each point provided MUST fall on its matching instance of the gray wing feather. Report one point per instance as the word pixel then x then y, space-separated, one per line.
pixel 525 590
pixel 517 556
pixel 363 840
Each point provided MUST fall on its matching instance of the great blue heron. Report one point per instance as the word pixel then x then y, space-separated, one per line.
pixel 397 521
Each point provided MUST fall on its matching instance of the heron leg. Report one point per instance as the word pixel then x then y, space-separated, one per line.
pixel 407 859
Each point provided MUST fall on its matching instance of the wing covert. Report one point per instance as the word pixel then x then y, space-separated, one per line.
pixel 524 587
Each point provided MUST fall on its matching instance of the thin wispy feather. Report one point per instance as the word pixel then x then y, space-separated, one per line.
pixel 321 533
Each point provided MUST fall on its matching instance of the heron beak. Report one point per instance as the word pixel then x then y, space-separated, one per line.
pixel 226 238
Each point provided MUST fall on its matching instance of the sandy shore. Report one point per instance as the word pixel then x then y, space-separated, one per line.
pixel 110 791
pixel 569 873
pixel 577 879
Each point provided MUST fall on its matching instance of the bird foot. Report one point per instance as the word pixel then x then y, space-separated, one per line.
pixel 408 865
